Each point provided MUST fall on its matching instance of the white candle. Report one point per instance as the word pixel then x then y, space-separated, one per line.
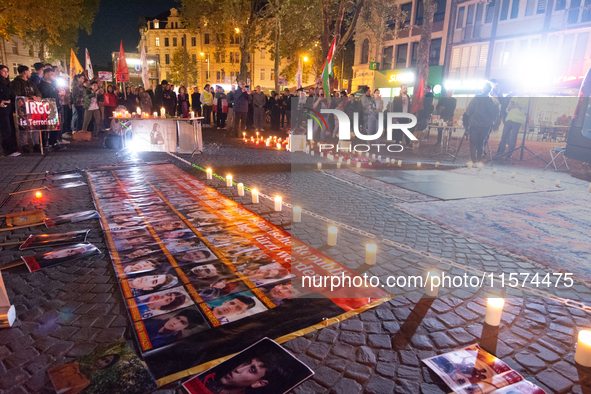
pixel 480 165
pixel 533 178
pixel 127 114
pixel 162 112
pixel 319 165
pixel 387 159
pixel 436 164
pixel 399 163
pixel 341 159
pixel 278 145
pixel 208 174
pixel 332 236
pixel 430 289
pixel 192 113
pixel 338 165
pixel 277 203
pixel 370 254
pixel 358 164
pixel 297 214
pixel 138 110
pixel 155 114
pixel 241 189
pixel 419 164
pixel 373 156
pixel 557 183
pixel 311 153
pixel 255 196
pixel 321 154
pixel 513 174
pixel 229 180
pixel 583 352
pixel 366 154
pixel 349 163
pixel 494 311
pixel 494 170
pixel 379 157
pixel 469 164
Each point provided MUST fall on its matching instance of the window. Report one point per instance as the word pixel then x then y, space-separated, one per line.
pixel 174 41
pixel 217 57
pixel 194 58
pixel 183 41
pixel 193 41
pixel 414 54
pixel 223 57
pixel 505 10
pixel 560 5
pixel 529 7
pixel 364 52
pixel 470 15
pixel 157 41
pixel 573 12
pixel 15 68
pixel 490 12
pixel 515 9
pixel 387 54
pixel 262 53
pixel 168 75
pixel 440 12
pixel 262 74
pixel 586 11
pixel 218 76
pixel 166 42
pixel 435 52
pixel 401 54
pixel 206 39
pixel 31 52
pixel 14 48
pixel 407 9
pixel 156 24
pixel 419 15
pixel 541 6
pixel 207 75
pixel 478 20
pixel 272 75
pixel 167 58
pixel 234 57
pixel 460 23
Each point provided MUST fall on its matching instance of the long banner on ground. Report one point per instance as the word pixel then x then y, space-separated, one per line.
pixel 204 277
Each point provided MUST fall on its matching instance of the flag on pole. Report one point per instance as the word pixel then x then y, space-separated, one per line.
pixel 88 67
pixel 75 66
pixel 327 70
pixel 417 103
pixel 298 76
pixel 122 74
pixel 144 67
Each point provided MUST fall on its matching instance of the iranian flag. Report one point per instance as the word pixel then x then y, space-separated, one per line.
pixel 327 71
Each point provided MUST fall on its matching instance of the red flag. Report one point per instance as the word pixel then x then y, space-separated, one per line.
pixel 122 71
pixel 417 103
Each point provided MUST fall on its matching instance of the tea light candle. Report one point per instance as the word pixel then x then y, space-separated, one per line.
pixel 430 289
pixel 241 189
pixel 277 204
pixel 155 114
pixel 243 134
pixel 321 154
pixel 533 178
pixel 297 214
pixel 387 159
pixel 399 163
pixel 480 165
pixel 494 170
pixel 162 112
pixel 366 154
pixel 370 254
pixel 419 164
pixel 373 156
pixel 358 164
pixel 312 153
pixel 470 164
pixel 349 163
pixel 208 174
pixel 341 159
pixel 583 352
pixel 436 164
pixel 133 114
pixel 513 174
pixel 379 157
pixel 557 183
pixel 494 310
pixel 338 165
pixel 138 110
pixel 229 180
pixel 192 113
pixel 255 196
pixel 332 236
pixel 278 145
pixel 127 114
pixel 319 165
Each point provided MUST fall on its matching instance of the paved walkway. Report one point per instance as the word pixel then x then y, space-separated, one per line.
pixel 67 311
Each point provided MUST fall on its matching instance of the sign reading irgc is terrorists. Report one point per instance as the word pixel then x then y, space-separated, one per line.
pixel 37 115
pixel 203 277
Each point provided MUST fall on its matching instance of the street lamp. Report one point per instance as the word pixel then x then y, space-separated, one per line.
pixel 305 58
pixel 237 30
pixel 207 60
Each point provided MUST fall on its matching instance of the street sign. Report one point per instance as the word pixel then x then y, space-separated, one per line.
pixel 374 66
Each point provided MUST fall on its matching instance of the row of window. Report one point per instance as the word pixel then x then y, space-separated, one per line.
pixel 234 40
pixel 402 54
pixel 219 58
pixel 221 76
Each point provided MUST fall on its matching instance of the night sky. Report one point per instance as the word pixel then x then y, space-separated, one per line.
pixel 117 20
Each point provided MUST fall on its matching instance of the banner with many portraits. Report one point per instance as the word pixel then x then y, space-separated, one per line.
pixel 203 277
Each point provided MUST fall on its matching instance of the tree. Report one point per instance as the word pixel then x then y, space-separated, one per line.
pixel 222 18
pixel 55 31
pixel 429 8
pixel 180 58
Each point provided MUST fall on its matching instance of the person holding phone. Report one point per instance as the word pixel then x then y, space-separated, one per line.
pixel 8 144
pixel 92 110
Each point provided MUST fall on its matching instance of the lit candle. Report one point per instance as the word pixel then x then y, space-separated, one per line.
pixel 208 173
pixel 370 254
pixel 162 112
pixel 241 189
pixel 319 165
pixel 297 214
pixel 229 180
pixel 583 352
pixel 277 204
pixel 373 156
pixel 257 134
pixel 436 164
pixel 349 163
pixel 339 165
pixel 494 310
pixel 387 160
pixel 513 174
pixel 255 196
pixel 332 236
pixel 366 154
pixel 494 171
pixel 311 153
pixel 127 114
pixel 278 145
pixel 418 164
pixel 244 134
pixel 138 110
pixel 470 164
pixel 321 154
pixel 430 289
pixel 341 159
pixel 358 164
pixel 399 163
pixel 133 114
pixel 533 178
pixel 557 183
pixel 480 165
pixel 155 114
pixel 192 113
pixel 379 157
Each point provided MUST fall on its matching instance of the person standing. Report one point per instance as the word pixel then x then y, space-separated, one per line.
pixel 49 91
pixel 207 102
pixel 37 75
pixel 130 101
pixel 91 107
pixel 482 112
pixel 368 109
pixel 145 100
pixel 222 108
pixel 22 86
pixel 77 100
pixel 230 99
pixel 286 109
pixel 259 103
pixel 196 101
pixel 275 104
pixel 158 95
pixel 515 118
pixel 183 103
pixel 401 103
pixel 110 105
pixel 446 107
pixel 241 99
pixel 169 100
pixel 8 143
pixel 425 114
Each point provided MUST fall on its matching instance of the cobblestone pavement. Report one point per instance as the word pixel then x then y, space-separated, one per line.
pixel 68 310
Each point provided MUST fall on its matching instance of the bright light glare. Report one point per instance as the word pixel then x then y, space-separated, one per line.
pixel 437 89
pixel 305 58
pixel 61 82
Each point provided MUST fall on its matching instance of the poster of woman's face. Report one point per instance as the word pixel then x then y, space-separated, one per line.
pixel 151 282
pixel 162 302
pixel 140 253
pixel 153 265
pixel 266 274
pixel 161 227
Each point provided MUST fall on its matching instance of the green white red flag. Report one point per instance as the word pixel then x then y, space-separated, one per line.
pixel 327 69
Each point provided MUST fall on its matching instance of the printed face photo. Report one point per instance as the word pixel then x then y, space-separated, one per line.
pixel 140 252
pixel 143 266
pixel 124 234
pixel 178 234
pixel 60 254
pixel 171 327
pixel 195 256
pixel 183 245
pixel 210 230
pixel 222 287
pixel 169 226
pixel 205 271
pixel 225 238
pixel 163 302
pixel 267 274
pixel 145 284
pixel 133 243
pixel 278 292
pixel 235 307
pixel 200 216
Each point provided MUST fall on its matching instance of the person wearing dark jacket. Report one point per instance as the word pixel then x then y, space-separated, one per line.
pixel 401 103
pixel 241 100
pixel 482 112
pixel 77 99
pixel 50 91
pixel 196 101
pixel 169 100
pixel 22 86
pixel 130 101
pixel 446 107
pixel 8 145
pixel 158 95
pixel 37 75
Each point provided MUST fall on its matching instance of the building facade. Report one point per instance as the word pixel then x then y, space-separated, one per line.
pixel 15 52
pixel 165 33
pixel 133 65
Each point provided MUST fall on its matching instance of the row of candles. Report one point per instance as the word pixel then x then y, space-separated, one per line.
pixel 138 114
pixel 494 307
pixel 269 142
